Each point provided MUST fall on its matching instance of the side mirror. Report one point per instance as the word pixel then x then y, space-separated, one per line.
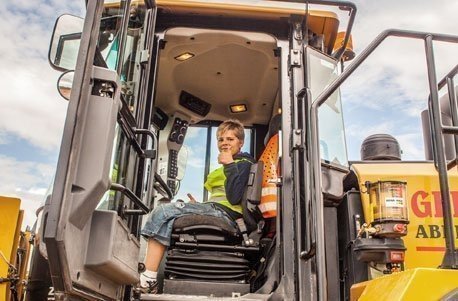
pixel 65 83
pixel 65 42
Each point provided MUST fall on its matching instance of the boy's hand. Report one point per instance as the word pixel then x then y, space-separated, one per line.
pixel 225 157
pixel 191 198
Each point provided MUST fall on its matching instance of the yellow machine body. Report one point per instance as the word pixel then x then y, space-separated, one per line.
pixel 425 238
pixel 411 285
pixel 10 225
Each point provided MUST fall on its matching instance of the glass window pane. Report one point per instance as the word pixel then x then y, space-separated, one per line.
pixel 68 51
pixel 333 147
pixel 332 135
pixel 109 47
pixel 193 180
pixel 111 199
pixel 110 32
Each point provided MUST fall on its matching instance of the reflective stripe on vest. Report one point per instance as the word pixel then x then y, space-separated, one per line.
pixel 269 157
pixel 215 186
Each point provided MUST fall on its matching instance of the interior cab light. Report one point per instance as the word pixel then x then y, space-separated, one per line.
pixel 239 108
pixel 184 56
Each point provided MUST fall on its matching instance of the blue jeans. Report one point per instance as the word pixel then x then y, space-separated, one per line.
pixel 160 223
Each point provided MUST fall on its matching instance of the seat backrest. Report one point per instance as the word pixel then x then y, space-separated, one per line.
pixel 274 128
pixel 260 201
pixel 269 157
pixel 252 198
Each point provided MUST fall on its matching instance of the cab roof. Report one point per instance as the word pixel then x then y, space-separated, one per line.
pixel 319 21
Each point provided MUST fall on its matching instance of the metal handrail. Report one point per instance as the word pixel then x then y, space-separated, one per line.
pixel 129 193
pixel 450 257
pixel 453 110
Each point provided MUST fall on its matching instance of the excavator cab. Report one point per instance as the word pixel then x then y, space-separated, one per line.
pixel 148 82
pixel 151 82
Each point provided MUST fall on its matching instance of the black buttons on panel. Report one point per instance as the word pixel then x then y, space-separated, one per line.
pixel 178 131
pixel 173 169
pixel 171 185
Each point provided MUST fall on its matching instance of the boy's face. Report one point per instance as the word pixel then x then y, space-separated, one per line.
pixel 228 142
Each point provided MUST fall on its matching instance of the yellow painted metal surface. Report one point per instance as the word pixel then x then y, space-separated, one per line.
pixel 411 285
pixel 323 22
pixel 244 7
pixel 9 219
pixel 425 239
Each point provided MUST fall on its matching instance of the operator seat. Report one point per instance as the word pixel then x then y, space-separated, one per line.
pixel 209 256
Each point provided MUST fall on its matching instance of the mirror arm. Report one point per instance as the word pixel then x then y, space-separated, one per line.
pixel 129 194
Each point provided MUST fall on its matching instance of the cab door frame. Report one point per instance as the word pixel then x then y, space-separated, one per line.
pixel 83 172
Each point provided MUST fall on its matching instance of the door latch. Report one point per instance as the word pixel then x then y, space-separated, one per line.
pixel 103 89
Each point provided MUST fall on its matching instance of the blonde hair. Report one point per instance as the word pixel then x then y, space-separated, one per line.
pixel 232 125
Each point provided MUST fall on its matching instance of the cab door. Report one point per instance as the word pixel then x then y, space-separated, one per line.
pixel 102 183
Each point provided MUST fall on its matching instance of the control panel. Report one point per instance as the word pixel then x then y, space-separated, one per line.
pixel 178 132
pixel 174 143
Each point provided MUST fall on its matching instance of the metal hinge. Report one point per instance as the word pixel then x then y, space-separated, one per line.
pixel 295 58
pixel 298 139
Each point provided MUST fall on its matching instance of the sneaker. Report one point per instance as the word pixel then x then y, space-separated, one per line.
pixel 151 287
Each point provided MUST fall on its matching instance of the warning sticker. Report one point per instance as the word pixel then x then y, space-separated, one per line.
pixel 163 169
pixel 394 202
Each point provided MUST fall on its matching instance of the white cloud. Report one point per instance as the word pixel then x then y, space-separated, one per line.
pixel 26 180
pixel 195 157
pixel 31 107
pixel 4 139
pixel 374 16
pixel 192 134
pixel 411 146
pixel 358 131
pixel 392 83
pixel 410 139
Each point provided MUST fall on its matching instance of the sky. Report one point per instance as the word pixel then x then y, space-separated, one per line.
pixel 385 96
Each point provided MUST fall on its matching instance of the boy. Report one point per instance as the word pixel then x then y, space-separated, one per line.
pixel 226 186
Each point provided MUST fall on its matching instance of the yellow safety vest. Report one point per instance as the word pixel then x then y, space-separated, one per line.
pixel 215 186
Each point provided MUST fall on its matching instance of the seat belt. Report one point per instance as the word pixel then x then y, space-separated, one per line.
pixel 252 200
pixel 242 227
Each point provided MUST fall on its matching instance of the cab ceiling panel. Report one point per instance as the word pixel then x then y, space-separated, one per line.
pixel 228 67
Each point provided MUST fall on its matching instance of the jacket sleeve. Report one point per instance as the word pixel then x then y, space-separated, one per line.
pixel 236 179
